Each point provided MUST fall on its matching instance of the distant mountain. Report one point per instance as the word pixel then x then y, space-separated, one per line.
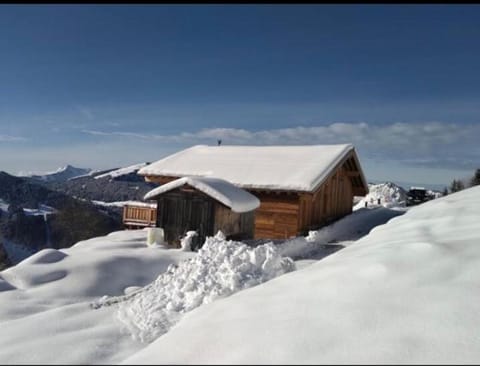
pixel 121 184
pixel 60 175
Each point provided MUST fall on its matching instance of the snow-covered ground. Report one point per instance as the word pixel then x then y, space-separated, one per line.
pixel 407 292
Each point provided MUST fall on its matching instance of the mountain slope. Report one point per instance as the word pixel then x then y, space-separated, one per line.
pixel 73 220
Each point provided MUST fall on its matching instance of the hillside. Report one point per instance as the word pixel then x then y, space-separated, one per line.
pixel 403 293
pixel 113 186
pixel 36 217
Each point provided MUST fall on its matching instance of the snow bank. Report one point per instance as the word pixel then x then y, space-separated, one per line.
pixel 319 243
pixel 389 193
pixel 236 198
pixel 407 293
pixel 221 268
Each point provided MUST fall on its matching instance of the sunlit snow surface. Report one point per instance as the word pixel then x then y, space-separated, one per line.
pixel 407 292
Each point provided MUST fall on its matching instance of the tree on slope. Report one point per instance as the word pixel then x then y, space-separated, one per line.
pixel 475 181
pixel 456 185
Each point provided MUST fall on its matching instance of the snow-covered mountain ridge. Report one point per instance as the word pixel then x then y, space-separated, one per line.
pixel 60 175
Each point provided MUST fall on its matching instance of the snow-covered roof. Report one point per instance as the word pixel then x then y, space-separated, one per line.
pixel 301 168
pixel 236 198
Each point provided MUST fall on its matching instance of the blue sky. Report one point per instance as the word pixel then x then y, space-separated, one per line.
pixel 110 85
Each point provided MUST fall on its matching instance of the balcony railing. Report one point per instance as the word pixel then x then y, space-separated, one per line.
pixel 139 216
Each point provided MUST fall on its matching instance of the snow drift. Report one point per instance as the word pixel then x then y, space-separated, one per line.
pixel 405 293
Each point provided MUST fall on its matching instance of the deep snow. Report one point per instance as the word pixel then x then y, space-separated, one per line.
pixel 406 293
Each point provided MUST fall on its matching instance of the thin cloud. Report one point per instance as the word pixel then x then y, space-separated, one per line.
pixel 8 138
pixel 433 144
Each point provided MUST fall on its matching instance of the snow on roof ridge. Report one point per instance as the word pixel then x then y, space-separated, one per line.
pixel 236 198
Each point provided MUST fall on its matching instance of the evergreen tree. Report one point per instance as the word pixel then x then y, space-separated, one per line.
pixel 456 185
pixel 475 181
pixel 445 191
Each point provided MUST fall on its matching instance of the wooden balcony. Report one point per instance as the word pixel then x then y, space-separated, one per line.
pixel 139 216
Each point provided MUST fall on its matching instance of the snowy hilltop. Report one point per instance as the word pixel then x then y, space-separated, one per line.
pixel 399 292
pixel 60 175
pixel 386 194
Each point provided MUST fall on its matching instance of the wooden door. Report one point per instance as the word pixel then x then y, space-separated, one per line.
pixel 179 212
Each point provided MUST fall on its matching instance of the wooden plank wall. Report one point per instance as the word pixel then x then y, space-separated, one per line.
pixel 331 201
pixel 182 210
pixel 234 225
pixel 277 215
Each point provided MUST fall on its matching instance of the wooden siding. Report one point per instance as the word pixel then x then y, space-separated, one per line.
pixel 277 215
pixel 235 226
pixel 179 211
pixel 332 200
pixel 139 216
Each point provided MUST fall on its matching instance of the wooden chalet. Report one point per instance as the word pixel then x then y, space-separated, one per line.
pixel 300 188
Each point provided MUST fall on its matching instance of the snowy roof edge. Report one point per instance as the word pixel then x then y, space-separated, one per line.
pixel 228 194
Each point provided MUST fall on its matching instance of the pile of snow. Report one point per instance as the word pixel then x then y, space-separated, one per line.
pixel 221 268
pixel 231 196
pixel 122 171
pixel 186 242
pixel 407 293
pixel 389 194
pixel 60 175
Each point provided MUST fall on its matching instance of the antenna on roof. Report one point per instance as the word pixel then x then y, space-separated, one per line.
pixel 219 142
